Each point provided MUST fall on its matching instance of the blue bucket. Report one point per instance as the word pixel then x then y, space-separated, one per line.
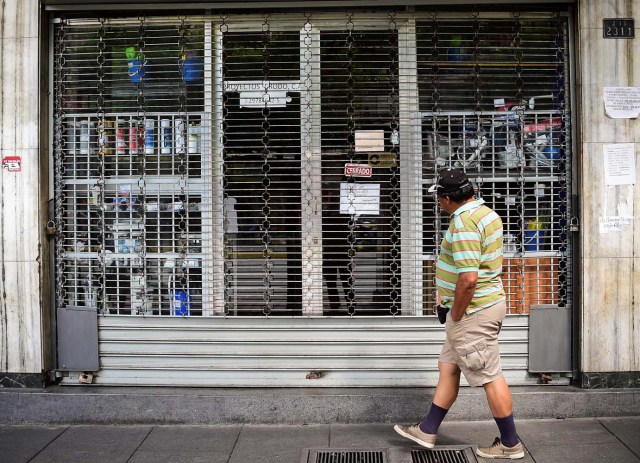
pixel 533 240
pixel 136 70
pixel 192 69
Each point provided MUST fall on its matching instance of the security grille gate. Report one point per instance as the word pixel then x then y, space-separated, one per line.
pixel 242 198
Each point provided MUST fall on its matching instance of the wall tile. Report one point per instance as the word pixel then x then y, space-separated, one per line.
pixel 599 200
pixel 635 316
pixel 20 314
pixel 598 127
pixel 591 13
pixel 606 62
pixel 19 87
pixel 608 340
pixel 22 230
pixel 19 18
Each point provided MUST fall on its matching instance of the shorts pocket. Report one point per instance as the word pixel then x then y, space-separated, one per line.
pixel 472 353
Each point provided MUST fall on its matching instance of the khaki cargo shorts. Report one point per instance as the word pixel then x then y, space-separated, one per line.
pixel 472 344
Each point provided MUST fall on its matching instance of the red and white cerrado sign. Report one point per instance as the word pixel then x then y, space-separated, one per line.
pixel 358 170
pixel 12 163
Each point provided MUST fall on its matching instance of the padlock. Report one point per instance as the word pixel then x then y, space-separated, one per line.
pixel 51 228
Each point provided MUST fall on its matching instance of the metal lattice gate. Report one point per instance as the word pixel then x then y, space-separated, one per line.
pixel 262 166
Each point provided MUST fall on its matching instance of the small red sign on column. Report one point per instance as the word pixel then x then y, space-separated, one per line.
pixel 12 163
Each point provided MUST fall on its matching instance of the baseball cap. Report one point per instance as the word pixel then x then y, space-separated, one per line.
pixel 449 180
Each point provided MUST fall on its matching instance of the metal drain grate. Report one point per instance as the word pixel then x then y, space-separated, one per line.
pixel 348 457
pixel 440 456
pixel 443 454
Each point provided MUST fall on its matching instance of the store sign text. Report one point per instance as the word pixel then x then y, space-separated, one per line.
pixel 358 170
pixel 262 86
pixel 263 93
pixel 264 100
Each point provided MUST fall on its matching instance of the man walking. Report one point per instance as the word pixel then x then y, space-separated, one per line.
pixel 473 304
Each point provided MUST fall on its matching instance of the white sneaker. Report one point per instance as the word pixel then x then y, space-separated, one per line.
pixel 499 450
pixel 416 435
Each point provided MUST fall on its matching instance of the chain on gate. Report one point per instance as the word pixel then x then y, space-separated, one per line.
pixel 100 186
pixel 308 153
pixel 182 302
pixel 477 98
pixel 394 209
pixel 139 127
pixel 477 91
pixel 224 127
pixel 349 42
pixel 59 170
pixel 564 165
pixel 519 116
pixel 267 253
pixel 435 112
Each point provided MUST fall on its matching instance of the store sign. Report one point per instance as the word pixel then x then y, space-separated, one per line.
pixel 262 99
pixel 382 160
pixel 262 86
pixel 369 140
pixel 263 93
pixel 12 163
pixel 613 28
pixel 358 170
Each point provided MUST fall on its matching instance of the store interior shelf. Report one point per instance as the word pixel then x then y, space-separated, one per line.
pixel 493 64
pixel 512 255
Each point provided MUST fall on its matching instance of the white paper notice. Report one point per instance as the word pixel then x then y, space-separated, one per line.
pixel 622 102
pixel 619 164
pixel 615 223
pixel 369 140
pixel 360 198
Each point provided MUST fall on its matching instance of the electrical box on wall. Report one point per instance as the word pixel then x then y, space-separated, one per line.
pixel 78 339
pixel 549 339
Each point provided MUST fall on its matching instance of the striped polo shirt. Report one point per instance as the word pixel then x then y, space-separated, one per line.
pixel 473 243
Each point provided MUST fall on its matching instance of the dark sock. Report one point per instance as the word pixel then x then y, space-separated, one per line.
pixel 507 428
pixel 432 421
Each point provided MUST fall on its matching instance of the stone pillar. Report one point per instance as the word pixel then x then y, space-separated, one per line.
pixel 24 258
pixel 610 337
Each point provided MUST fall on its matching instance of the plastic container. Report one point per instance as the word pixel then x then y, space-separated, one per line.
pixel 86 128
pixel 179 135
pixel 535 234
pixel 194 138
pixel 166 136
pixel 135 63
pixel 455 51
pixel 181 303
pixel 136 70
pixel 149 136
pixel 192 69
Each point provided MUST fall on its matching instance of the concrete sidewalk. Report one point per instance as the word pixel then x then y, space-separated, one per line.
pixel 581 440
pixel 99 405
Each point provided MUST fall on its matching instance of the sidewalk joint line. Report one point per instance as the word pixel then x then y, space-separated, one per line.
pixel 619 440
pixel 140 444
pixel 235 443
pixel 48 444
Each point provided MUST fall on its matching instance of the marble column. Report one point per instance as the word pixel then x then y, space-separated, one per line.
pixel 610 337
pixel 24 260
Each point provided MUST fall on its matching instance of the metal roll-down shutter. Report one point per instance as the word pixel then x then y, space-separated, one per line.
pixel 242 198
